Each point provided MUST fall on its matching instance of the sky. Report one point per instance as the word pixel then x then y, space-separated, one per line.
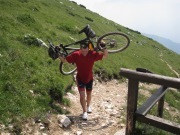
pixel 156 17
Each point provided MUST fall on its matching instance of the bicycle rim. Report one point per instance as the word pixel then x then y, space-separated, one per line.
pixel 67 68
pixel 115 42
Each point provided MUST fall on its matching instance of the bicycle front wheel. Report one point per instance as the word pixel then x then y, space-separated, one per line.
pixel 115 42
pixel 67 68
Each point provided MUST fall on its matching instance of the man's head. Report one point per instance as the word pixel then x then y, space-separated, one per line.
pixel 84 46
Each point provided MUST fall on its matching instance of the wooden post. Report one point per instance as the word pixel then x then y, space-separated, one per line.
pixel 131 106
pixel 160 107
pixel 134 79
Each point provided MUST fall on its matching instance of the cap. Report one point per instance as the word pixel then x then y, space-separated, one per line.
pixel 84 44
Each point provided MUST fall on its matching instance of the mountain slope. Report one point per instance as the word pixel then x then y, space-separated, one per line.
pixel 166 42
pixel 30 83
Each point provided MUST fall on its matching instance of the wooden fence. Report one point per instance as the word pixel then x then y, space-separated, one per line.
pixel 140 114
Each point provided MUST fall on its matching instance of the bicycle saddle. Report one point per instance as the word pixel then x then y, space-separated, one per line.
pixel 88 31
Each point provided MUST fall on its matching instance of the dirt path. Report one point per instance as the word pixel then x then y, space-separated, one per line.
pixel 108 105
pixel 108 116
pixel 170 67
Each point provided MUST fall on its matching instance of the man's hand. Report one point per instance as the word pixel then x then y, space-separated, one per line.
pixel 103 45
pixel 62 58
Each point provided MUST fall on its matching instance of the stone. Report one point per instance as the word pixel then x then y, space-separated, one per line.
pixel 79 133
pixel 65 121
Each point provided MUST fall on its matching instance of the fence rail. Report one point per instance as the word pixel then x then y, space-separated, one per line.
pixel 141 114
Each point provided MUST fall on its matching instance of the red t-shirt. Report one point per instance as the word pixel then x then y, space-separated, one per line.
pixel 84 64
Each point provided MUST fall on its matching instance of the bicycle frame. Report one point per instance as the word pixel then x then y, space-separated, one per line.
pixel 68 48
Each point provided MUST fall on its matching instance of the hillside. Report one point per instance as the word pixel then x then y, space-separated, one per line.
pixel 166 42
pixel 30 82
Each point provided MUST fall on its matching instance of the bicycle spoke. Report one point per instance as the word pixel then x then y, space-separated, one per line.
pixel 115 42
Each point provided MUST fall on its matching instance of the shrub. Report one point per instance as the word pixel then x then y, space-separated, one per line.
pixel 67 28
pixel 74 2
pixel 82 6
pixel 71 13
pixel 89 19
pixel 56 94
pixel 26 19
pixel 134 31
pixel 24 1
pixel 30 40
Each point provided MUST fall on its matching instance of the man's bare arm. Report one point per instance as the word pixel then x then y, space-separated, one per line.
pixel 105 53
pixel 63 59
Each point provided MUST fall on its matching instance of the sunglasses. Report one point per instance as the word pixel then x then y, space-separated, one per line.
pixel 84 46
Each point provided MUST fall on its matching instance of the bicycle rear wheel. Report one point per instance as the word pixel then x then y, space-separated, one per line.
pixel 67 68
pixel 115 42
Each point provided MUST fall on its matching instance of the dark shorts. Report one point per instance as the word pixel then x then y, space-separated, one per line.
pixel 82 86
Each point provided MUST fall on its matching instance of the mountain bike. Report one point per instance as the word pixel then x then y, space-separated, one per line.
pixel 115 42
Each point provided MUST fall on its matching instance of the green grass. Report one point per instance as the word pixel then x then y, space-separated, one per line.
pixel 26 67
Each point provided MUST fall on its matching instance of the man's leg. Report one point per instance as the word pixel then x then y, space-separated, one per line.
pixel 81 88
pixel 83 104
pixel 88 97
pixel 83 100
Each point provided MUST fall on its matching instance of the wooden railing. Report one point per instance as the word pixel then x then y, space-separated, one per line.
pixel 140 114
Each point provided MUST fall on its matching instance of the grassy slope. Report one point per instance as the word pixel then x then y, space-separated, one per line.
pixel 28 67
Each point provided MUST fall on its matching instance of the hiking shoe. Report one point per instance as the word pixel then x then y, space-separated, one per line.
pixel 89 110
pixel 85 116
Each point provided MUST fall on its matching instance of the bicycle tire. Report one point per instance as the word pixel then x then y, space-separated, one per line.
pixel 67 68
pixel 115 42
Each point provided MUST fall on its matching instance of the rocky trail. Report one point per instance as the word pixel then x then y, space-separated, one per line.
pixel 107 117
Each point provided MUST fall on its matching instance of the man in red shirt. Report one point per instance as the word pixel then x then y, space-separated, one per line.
pixel 84 60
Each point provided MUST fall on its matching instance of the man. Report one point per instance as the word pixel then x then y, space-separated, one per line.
pixel 84 60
